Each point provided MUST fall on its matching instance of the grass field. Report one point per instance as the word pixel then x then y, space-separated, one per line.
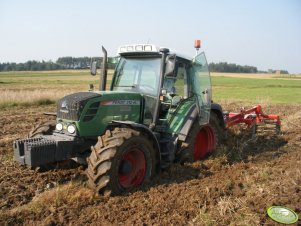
pixel 256 90
pixel 42 88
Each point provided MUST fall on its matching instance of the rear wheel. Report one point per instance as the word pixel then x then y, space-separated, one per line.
pixel 121 160
pixel 201 140
pixel 218 129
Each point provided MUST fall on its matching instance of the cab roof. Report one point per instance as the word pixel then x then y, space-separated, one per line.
pixel 146 49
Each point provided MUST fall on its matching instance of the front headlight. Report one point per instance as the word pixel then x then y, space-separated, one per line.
pixel 59 126
pixel 71 128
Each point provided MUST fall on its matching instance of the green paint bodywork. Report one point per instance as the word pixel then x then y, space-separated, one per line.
pixel 110 108
pixel 176 119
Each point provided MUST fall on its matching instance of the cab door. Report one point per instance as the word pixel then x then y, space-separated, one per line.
pixel 201 87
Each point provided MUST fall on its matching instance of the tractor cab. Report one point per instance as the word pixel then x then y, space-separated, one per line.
pixel 167 80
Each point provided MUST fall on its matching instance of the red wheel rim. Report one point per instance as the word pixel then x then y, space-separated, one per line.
pixel 132 168
pixel 204 143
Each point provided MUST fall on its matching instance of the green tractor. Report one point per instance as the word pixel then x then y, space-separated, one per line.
pixel 158 111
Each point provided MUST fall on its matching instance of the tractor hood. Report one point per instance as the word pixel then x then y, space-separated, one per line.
pixel 92 112
pixel 69 107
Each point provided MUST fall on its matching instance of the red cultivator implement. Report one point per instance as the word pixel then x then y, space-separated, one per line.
pixel 254 118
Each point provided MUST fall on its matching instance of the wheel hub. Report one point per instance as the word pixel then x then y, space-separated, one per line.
pixel 204 143
pixel 132 168
pixel 126 167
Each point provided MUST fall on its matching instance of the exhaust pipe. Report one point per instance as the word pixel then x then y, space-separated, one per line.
pixel 103 74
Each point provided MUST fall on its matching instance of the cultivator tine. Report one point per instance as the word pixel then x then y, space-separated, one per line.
pixel 263 124
pixel 268 127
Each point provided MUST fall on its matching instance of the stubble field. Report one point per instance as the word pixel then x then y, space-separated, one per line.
pixel 234 186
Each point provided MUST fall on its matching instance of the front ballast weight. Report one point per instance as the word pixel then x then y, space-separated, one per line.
pixel 254 118
pixel 39 151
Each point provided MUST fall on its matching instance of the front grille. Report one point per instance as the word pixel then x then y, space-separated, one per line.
pixel 91 112
pixel 70 107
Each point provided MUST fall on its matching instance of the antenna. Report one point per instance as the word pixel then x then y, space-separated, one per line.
pixel 148 41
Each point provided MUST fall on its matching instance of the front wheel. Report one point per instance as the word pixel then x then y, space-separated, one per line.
pixel 121 160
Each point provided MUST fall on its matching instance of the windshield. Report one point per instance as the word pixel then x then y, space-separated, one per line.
pixel 138 75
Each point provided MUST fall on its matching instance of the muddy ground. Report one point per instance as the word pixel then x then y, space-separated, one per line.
pixel 234 186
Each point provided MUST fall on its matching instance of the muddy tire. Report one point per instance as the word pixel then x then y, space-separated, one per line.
pixel 201 140
pixel 121 160
pixel 219 133
pixel 45 128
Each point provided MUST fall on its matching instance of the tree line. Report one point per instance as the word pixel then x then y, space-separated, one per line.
pixel 234 68
pixel 60 64
pixel 31 65
pixel 85 62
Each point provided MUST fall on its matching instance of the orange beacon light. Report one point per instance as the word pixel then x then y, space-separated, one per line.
pixel 197 44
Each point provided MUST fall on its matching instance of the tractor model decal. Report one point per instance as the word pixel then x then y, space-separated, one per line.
pixel 121 102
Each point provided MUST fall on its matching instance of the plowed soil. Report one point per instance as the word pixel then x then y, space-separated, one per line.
pixel 234 186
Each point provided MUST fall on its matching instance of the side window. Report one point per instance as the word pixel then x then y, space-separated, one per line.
pixel 201 87
pixel 177 86
pixel 180 81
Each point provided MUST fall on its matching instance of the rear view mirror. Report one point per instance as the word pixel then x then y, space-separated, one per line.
pixel 93 68
pixel 170 65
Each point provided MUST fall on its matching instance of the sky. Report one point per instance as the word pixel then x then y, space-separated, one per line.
pixel 265 34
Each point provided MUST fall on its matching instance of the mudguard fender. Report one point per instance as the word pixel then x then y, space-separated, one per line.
pixel 146 130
